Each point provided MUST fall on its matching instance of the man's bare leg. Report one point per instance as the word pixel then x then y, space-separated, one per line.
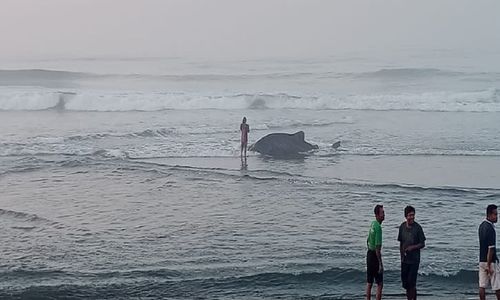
pixel 379 291
pixel 482 294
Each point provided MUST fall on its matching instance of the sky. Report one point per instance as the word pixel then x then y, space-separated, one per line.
pixel 242 29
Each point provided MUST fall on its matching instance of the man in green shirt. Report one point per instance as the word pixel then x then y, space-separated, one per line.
pixel 374 266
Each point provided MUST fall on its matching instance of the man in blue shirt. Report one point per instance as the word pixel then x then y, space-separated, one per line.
pixel 489 270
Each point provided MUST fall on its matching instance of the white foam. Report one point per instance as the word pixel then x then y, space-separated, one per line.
pixel 22 98
pixel 112 153
pixel 140 101
pixel 475 101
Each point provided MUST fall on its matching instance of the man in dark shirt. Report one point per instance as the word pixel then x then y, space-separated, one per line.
pixel 489 273
pixel 411 239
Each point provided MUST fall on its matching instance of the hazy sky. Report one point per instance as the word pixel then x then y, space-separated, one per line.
pixel 241 29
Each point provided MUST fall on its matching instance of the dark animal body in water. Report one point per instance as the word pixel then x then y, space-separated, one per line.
pixel 282 144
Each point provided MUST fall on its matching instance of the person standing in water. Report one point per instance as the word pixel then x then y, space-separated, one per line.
pixel 374 266
pixel 489 271
pixel 411 239
pixel 245 129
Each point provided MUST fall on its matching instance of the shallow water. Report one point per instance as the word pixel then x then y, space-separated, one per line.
pixel 121 211
pixel 155 204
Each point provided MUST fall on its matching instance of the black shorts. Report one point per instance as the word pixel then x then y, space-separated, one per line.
pixel 409 274
pixel 372 268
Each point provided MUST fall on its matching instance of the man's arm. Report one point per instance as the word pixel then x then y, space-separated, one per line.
pixel 490 259
pixel 401 250
pixel 378 247
pixel 379 256
pixel 491 248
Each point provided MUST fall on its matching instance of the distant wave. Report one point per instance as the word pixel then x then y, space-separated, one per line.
pixel 231 77
pixel 24 98
pixel 28 75
pixel 31 76
pixel 408 72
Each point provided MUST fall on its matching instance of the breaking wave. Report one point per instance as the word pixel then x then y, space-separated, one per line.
pixel 180 285
pixel 115 101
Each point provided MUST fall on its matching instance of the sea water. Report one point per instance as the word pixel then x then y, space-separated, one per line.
pixel 122 178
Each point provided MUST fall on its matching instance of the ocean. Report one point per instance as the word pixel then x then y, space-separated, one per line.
pixel 121 177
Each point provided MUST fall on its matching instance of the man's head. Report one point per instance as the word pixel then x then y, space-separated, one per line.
pixel 244 119
pixel 410 214
pixel 492 213
pixel 379 213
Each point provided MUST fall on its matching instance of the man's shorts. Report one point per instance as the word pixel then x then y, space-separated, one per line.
pixel 492 280
pixel 409 274
pixel 372 268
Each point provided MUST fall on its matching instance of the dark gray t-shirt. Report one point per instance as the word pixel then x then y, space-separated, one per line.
pixel 487 238
pixel 411 236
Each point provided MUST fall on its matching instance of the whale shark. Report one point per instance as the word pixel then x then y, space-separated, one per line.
pixel 283 144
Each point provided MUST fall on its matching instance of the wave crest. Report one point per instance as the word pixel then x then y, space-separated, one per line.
pixel 408 72
pixel 42 99
pixel 18 215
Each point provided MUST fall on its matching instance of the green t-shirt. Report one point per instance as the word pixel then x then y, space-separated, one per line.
pixel 374 236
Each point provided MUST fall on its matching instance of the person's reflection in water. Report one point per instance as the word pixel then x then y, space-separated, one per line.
pixel 244 165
